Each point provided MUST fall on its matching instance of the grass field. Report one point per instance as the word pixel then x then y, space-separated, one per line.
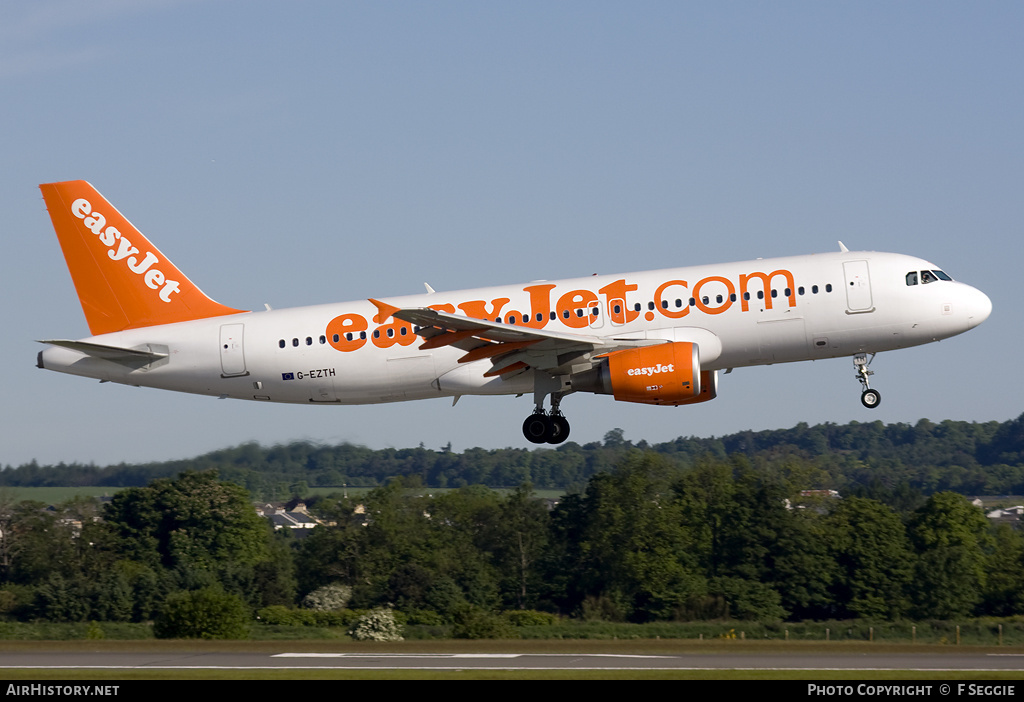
pixel 56 495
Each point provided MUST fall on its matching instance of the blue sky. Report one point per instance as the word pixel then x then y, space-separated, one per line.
pixel 295 153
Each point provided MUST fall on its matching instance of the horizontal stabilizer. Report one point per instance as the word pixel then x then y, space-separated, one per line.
pixel 116 354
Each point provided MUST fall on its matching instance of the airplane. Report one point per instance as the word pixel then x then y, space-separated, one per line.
pixel 656 337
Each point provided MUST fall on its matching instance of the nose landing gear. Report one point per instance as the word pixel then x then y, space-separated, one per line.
pixel 869 398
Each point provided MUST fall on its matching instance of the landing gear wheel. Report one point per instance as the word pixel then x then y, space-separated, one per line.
pixel 559 429
pixel 537 428
pixel 870 398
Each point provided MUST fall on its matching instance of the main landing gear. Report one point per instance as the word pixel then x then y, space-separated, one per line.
pixel 869 398
pixel 547 428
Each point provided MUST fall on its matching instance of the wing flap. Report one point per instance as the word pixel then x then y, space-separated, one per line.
pixel 485 329
pixel 512 349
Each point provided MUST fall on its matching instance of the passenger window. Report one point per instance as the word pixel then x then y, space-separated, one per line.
pixel 281 343
pixel 814 289
pixel 912 278
pixel 828 287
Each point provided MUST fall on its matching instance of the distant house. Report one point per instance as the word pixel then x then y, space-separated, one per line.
pixel 819 493
pixel 813 500
pixel 1006 514
pixel 297 518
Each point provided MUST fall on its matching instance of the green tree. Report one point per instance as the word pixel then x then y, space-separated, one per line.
pixel 874 559
pixel 1004 586
pixel 520 541
pixel 396 532
pixel 332 554
pixel 275 578
pixel 763 559
pixel 194 521
pixel 111 598
pixel 208 613
pixel 634 554
pixel 39 544
pixel 952 542
pixel 62 599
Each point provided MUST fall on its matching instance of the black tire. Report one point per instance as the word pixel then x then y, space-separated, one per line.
pixel 537 428
pixel 871 398
pixel 559 429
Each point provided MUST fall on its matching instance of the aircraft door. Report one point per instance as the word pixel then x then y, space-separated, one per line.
pixel 858 286
pixel 232 352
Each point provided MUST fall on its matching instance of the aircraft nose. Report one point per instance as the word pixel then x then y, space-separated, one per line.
pixel 979 307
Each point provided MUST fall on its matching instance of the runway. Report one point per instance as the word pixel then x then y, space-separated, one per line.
pixel 780 661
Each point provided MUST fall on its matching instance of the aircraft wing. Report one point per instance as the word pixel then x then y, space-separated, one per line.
pixel 511 348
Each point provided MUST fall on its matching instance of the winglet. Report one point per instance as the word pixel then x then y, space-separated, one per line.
pixel 384 310
pixel 122 280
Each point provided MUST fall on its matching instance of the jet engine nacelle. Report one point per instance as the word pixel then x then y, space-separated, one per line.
pixel 665 374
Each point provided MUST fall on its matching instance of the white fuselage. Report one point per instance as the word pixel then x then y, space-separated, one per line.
pixel 739 314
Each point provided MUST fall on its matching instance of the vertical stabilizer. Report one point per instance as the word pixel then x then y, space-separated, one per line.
pixel 122 280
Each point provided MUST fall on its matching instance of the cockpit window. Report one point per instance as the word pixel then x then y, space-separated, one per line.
pixel 928 277
pixel 941 276
pixel 912 278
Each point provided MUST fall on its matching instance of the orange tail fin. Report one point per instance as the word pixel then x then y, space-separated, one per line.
pixel 123 281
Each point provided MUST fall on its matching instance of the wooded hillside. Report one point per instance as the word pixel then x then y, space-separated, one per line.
pixel 966 457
